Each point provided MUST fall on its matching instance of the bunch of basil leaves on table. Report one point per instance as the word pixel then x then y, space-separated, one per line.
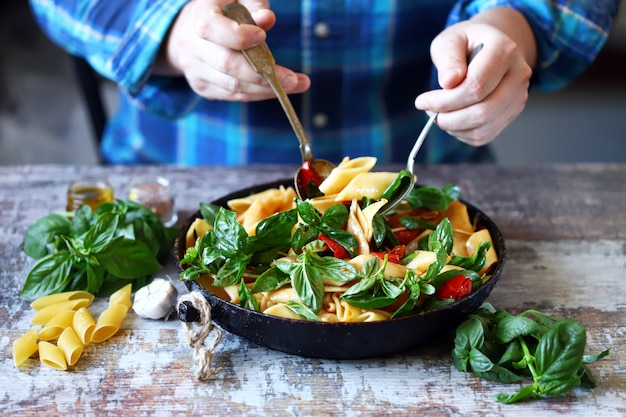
pixel 96 251
pixel 499 346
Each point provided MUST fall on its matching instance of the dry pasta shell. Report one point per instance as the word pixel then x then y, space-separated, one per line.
pixel 48 300
pixel 83 325
pixel 109 323
pixel 122 296
pixel 55 326
pixel 24 347
pixel 50 355
pixel 45 314
pixel 71 346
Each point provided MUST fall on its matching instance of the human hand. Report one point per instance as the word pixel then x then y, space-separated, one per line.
pixel 204 46
pixel 477 102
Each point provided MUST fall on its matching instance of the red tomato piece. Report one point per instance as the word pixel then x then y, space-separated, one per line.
pixel 309 175
pixel 395 255
pixel 407 235
pixel 455 288
pixel 337 250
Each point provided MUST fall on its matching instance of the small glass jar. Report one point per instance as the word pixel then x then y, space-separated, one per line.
pixel 154 193
pixel 90 191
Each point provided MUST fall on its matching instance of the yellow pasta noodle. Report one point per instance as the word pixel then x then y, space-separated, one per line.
pixel 45 314
pixel 367 184
pixel 24 347
pixel 109 323
pixel 55 326
pixel 122 296
pixel 70 345
pixel 345 172
pixel 51 356
pixel 47 300
pixel 83 325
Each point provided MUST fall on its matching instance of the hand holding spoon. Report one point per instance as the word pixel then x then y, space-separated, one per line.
pixel 262 61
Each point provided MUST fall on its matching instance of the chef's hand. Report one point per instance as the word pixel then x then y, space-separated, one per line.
pixel 478 102
pixel 205 47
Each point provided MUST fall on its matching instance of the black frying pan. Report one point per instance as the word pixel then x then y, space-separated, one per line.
pixel 342 340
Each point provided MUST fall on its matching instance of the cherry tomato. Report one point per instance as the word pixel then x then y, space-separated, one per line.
pixel 455 288
pixel 309 175
pixel 337 250
pixel 407 235
pixel 395 255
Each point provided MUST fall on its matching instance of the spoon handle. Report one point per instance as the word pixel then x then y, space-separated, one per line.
pixel 262 61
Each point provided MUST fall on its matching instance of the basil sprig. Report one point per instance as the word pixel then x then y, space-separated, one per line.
pixel 502 347
pixel 226 251
pixel 98 252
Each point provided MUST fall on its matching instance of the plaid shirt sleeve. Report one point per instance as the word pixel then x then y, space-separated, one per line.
pixel 569 33
pixel 120 39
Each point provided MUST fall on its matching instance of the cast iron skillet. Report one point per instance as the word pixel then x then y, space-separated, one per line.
pixel 342 340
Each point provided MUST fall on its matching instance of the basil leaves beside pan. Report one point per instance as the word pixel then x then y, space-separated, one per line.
pixel 499 346
pixel 99 252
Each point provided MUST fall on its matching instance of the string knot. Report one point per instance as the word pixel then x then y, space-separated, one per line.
pixel 202 354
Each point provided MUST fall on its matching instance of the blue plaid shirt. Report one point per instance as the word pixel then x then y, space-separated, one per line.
pixel 367 64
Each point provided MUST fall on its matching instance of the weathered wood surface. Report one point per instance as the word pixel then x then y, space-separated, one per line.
pixel 565 229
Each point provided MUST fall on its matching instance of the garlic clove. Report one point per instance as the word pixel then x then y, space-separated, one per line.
pixel 155 300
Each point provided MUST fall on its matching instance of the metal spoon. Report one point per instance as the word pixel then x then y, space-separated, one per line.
pixel 406 187
pixel 262 61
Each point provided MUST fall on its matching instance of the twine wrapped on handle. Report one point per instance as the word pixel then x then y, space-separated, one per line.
pixel 202 354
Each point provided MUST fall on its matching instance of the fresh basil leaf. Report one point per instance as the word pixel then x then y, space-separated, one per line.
pixel 442 235
pixel 335 216
pixel 95 278
pixel 474 262
pixel 209 212
pixel 560 351
pixel 308 283
pixel 232 270
pixel 229 233
pixel 82 220
pixel 334 269
pixel 302 310
pixel 246 299
pixel 429 197
pixel 398 186
pixel 271 279
pixel 44 231
pixel 413 223
pixel 512 327
pixel 479 362
pixel 99 236
pixel 125 258
pixel 453 191
pixel 525 393
pixel 308 213
pixel 345 239
pixel 49 275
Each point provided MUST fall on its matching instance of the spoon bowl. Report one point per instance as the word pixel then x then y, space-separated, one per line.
pixel 262 61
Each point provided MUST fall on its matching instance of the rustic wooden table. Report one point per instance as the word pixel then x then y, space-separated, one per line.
pixel 565 228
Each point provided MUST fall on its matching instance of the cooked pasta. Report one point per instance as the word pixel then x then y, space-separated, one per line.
pixel 109 323
pixel 24 347
pixel 83 325
pixel 51 356
pixel 380 263
pixel 345 172
pixel 70 345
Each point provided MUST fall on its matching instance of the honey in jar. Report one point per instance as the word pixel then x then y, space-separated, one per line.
pixel 90 191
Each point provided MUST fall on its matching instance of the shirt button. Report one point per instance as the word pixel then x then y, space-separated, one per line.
pixel 320 120
pixel 321 30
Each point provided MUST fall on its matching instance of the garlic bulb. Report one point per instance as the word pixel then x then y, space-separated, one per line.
pixel 155 300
